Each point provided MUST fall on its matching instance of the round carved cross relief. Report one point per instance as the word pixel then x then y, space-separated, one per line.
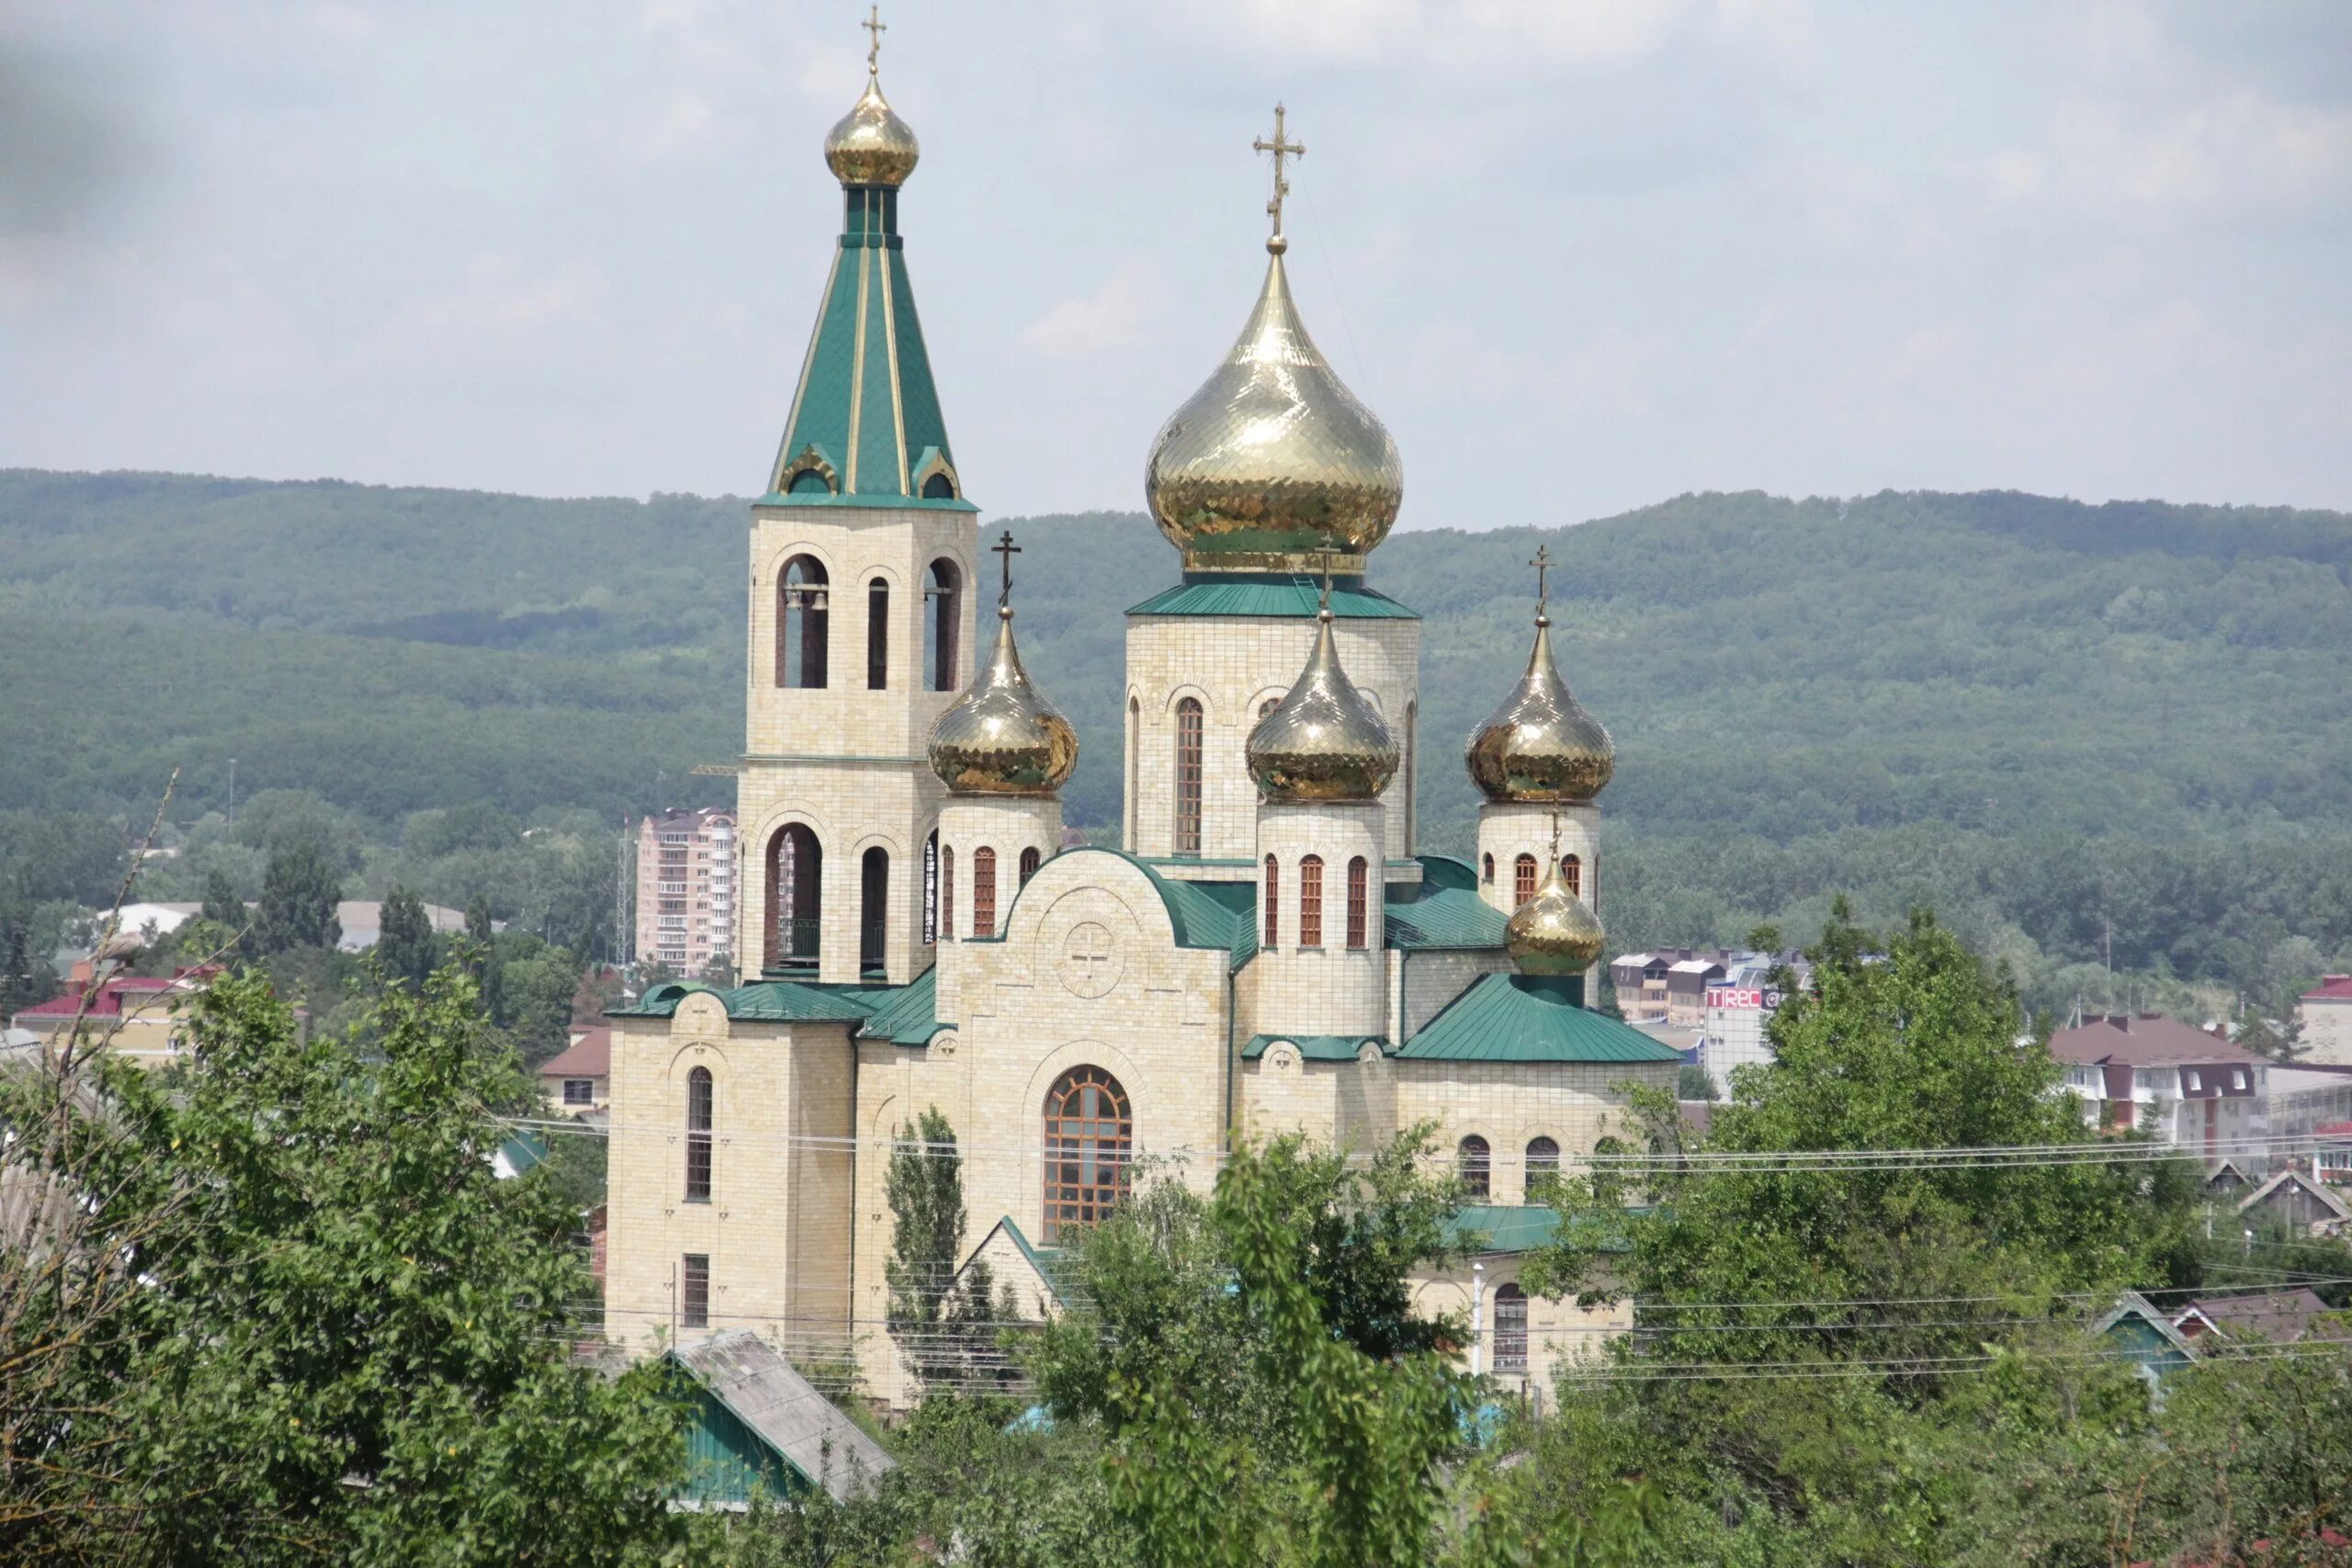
pixel 1089 966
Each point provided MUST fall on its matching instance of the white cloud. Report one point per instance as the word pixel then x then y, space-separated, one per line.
pixel 1111 316
pixel 2235 152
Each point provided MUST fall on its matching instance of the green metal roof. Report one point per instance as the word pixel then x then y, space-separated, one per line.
pixel 1057 1268
pixel 865 418
pixel 1316 1047
pixel 766 1002
pixel 1257 593
pixel 1205 914
pixel 1443 913
pixel 1529 1017
pixel 1503 1227
pixel 908 1014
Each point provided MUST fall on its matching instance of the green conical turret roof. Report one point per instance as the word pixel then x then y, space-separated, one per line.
pixel 866 426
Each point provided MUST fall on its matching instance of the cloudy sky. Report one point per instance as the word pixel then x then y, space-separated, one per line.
pixel 1580 254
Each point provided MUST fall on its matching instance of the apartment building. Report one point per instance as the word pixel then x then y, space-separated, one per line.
pixel 686 888
pixel 2148 1072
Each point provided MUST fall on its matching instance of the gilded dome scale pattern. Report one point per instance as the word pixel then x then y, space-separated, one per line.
pixel 1323 741
pixel 1555 932
pixel 871 145
pixel 1541 745
pixel 1000 737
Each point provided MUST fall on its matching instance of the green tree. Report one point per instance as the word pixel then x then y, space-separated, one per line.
pixel 299 893
pixel 406 944
pixel 941 1327
pixel 25 979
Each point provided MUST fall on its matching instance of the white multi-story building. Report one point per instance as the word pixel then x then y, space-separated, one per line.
pixel 2152 1074
pixel 686 888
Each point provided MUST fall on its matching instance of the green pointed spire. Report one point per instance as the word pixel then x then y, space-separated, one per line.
pixel 865 427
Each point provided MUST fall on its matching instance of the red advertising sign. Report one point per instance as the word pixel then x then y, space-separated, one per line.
pixel 1744 998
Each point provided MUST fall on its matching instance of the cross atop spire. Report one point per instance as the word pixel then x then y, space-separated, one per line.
pixel 1542 565
pixel 1554 819
pixel 1281 148
pixel 1005 549
pixel 874 27
pixel 1328 549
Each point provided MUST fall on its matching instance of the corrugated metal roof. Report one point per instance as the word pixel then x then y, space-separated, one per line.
pixel 1444 911
pixel 1294 597
pixel 760 1388
pixel 1529 1017
pixel 1316 1047
pixel 1503 1227
pixel 908 1014
pixel 766 1002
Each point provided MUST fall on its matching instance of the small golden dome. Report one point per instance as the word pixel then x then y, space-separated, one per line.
pixel 1272 452
pixel 1323 741
pixel 1541 745
pixel 871 145
pixel 1000 737
pixel 1555 932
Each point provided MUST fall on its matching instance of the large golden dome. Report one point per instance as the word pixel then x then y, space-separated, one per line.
pixel 1001 737
pixel 871 145
pixel 1323 741
pixel 1540 744
pixel 1271 453
pixel 1555 932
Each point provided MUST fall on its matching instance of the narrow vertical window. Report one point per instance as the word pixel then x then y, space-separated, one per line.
pixel 1359 904
pixel 1412 723
pixel 1310 901
pixel 1572 873
pixel 877 635
pixel 1487 871
pixel 1522 880
pixel 693 1291
pixel 1510 1328
pixel 1272 933
pixel 1134 781
pixel 942 623
pixel 698 1115
pixel 984 891
pixel 1028 865
pixel 1473 1161
pixel 1188 777
pixel 931 887
pixel 946 893
pixel 800 624
pixel 872 908
pixel 1543 1161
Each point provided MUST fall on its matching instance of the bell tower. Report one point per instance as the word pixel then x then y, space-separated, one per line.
pixel 863 555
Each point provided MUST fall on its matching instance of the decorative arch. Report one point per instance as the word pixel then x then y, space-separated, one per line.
pixel 1089 1133
pixel 942 623
pixel 796 898
pixel 802 611
pixel 808 473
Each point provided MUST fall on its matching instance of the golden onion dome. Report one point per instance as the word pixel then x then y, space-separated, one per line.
pixel 1272 453
pixel 1541 745
pixel 1555 932
pixel 1323 741
pixel 871 145
pixel 1000 737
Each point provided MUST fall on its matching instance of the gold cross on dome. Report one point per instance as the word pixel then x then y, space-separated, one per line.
pixel 1542 565
pixel 874 27
pixel 1006 549
pixel 1281 148
pixel 1328 549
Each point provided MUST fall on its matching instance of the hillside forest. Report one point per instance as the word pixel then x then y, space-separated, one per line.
pixel 2109 745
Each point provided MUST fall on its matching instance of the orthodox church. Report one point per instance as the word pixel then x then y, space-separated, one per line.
pixel 1270 947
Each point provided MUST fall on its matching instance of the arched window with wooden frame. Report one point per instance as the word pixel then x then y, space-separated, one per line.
pixel 796 894
pixel 1572 873
pixel 1543 1162
pixel 947 893
pixel 1029 859
pixel 800 624
pixel 873 909
pixel 1310 901
pixel 877 635
pixel 1522 880
pixel 1359 904
pixel 983 892
pixel 942 623
pixel 1189 724
pixel 1090 1142
pixel 1474 1161
pixel 700 1105
pixel 1510 1328
pixel 1272 935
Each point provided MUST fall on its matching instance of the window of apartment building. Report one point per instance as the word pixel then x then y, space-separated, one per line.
pixel 983 892
pixel 693 1291
pixel 579 1091
pixel 1188 776
pixel 1359 904
pixel 1310 901
pixel 698 1118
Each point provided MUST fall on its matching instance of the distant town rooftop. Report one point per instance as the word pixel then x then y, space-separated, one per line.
pixel 2144 1040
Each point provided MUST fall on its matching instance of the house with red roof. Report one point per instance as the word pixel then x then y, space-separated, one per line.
pixel 2147 1073
pixel 578 1079
pixel 2326 1013
pixel 138 1016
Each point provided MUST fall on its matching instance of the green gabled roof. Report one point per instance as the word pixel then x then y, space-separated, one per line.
pixel 1057 1268
pixel 865 410
pixel 1444 911
pixel 1205 914
pixel 766 1002
pixel 1316 1047
pixel 1529 1017
pixel 908 1014
pixel 1256 594
pixel 1505 1228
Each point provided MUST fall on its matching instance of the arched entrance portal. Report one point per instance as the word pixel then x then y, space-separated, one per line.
pixel 795 894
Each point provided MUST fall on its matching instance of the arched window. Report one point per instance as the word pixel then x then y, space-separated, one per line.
pixel 1487 871
pixel 800 624
pixel 946 893
pixel 1572 873
pixel 931 887
pixel 1090 1138
pixel 795 883
pixel 1272 933
pixel 1268 706
pixel 939 487
pixel 1608 1179
pixel 1188 776
pixel 872 908
pixel 698 1116
pixel 1310 901
pixel 943 619
pixel 1028 865
pixel 1542 1160
pixel 1134 781
pixel 1359 904
pixel 984 891
pixel 1522 880
pixel 1412 723
pixel 1475 1163
pixel 1510 1328
pixel 877 635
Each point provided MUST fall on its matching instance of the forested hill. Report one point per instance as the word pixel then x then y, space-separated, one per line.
pixel 1998 665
